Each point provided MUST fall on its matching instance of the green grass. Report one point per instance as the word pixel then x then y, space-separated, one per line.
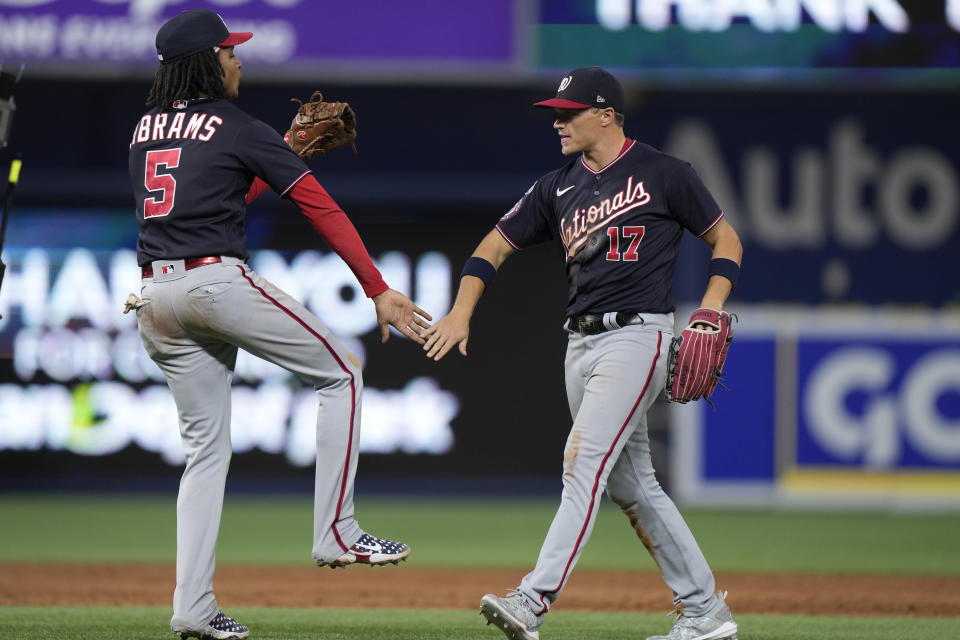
pixel 142 623
pixel 500 533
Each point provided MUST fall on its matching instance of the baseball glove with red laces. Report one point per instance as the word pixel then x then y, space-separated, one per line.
pixel 695 362
pixel 321 126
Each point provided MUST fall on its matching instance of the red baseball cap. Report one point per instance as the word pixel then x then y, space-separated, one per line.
pixel 587 87
pixel 193 31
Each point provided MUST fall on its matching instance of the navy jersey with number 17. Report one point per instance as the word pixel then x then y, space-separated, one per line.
pixel 619 227
pixel 191 168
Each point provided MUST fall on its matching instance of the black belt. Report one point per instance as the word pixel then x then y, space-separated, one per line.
pixel 590 324
pixel 189 263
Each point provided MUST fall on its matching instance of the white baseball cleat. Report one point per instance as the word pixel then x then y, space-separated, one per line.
pixel 512 615
pixel 716 624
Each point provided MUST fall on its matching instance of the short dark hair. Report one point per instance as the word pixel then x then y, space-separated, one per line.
pixel 187 78
pixel 617 116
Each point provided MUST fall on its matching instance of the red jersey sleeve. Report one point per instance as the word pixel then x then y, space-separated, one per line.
pixel 257 187
pixel 336 229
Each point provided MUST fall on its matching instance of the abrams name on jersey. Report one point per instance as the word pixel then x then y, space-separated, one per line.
pixel 154 126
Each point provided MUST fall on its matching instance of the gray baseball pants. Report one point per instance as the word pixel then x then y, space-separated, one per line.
pixel 612 379
pixel 192 325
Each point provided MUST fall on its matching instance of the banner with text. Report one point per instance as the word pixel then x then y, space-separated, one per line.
pixel 830 404
pixel 287 33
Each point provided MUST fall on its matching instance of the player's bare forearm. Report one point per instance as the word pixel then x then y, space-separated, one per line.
pixel 718 290
pixel 494 249
pixel 725 243
pixel 454 328
pixel 471 288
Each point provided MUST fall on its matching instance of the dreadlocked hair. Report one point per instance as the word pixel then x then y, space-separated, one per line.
pixel 187 78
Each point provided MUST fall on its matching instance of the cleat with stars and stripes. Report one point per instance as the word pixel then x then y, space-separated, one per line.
pixel 222 627
pixel 371 550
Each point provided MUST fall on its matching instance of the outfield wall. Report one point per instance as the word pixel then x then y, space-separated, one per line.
pixel 845 198
pixel 843 407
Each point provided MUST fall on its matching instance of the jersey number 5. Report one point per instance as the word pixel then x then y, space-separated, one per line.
pixel 155 181
pixel 634 234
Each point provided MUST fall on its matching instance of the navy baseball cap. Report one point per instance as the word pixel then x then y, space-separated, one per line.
pixel 193 31
pixel 587 87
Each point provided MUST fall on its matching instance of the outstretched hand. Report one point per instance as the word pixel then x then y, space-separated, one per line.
pixel 452 329
pixel 397 310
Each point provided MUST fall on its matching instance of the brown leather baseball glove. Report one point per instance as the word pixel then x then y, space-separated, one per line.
pixel 695 362
pixel 321 126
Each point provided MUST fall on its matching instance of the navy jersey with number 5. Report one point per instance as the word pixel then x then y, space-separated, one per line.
pixel 191 168
pixel 619 227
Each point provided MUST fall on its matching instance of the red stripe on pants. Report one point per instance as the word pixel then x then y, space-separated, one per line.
pixel 596 480
pixel 353 401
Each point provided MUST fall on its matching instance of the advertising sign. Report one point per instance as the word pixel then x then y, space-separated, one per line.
pixel 83 383
pixel 879 404
pixel 830 404
pixel 287 33
pixel 820 41
pixel 82 404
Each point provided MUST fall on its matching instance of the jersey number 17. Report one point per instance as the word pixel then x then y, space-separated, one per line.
pixel 633 234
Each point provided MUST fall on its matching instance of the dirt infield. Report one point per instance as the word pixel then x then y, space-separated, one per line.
pixel 411 587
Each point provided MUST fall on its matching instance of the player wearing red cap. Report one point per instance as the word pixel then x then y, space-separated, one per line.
pixel 617 211
pixel 193 158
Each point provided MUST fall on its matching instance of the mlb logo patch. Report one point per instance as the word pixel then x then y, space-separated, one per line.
pixel 179 104
pixel 167 268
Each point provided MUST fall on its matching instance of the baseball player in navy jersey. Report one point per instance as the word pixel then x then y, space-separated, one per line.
pixel 618 211
pixel 195 161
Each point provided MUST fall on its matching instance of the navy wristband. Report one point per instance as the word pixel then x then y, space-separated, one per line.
pixel 726 268
pixel 479 268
